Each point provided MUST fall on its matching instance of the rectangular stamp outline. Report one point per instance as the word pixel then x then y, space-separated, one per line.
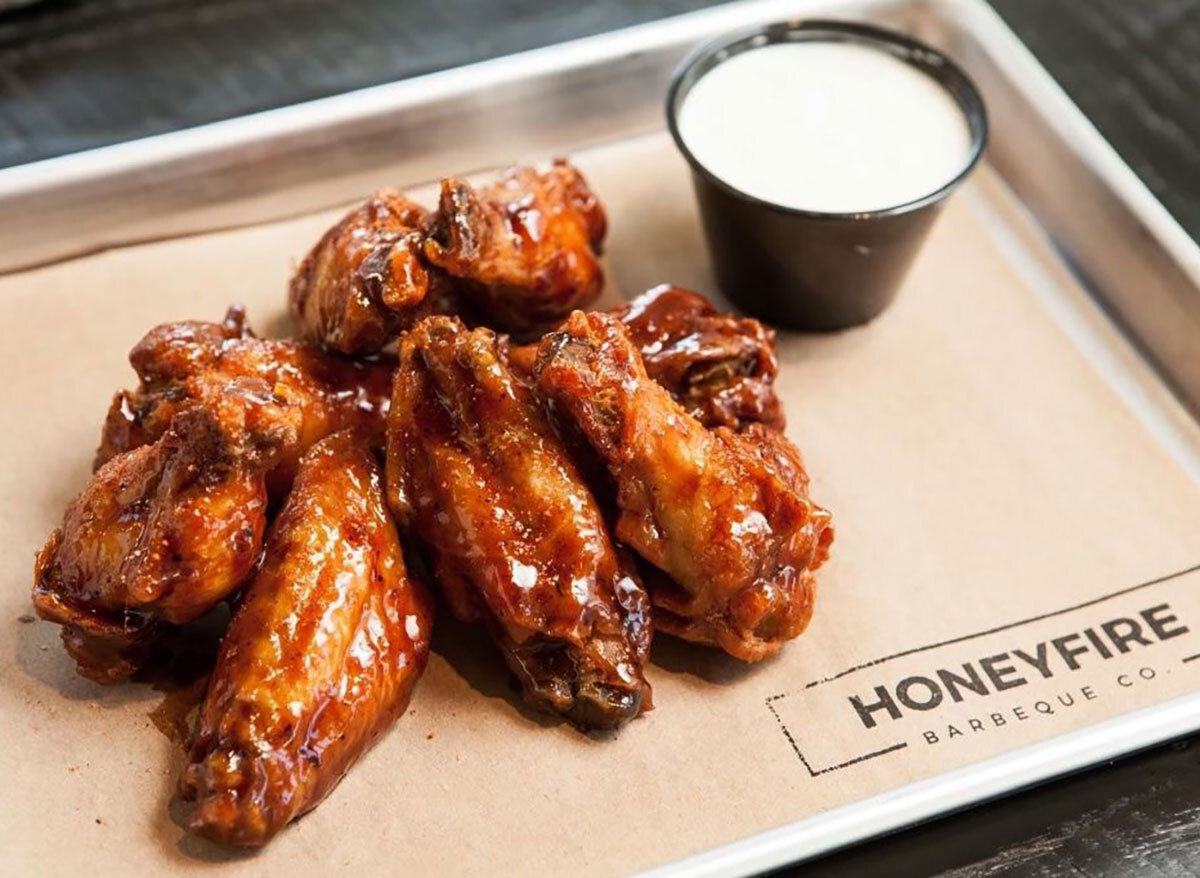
pixel 816 772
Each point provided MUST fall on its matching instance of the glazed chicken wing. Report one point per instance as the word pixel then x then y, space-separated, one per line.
pixel 726 516
pixel 162 532
pixel 720 368
pixel 524 249
pixel 476 472
pixel 319 660
pixel 172 520
pixel 181 364
pixel 366 279
pixel 165 357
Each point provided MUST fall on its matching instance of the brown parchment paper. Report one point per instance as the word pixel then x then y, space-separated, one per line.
pixel 980 472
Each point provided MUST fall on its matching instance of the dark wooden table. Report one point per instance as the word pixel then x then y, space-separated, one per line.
pixel 75 75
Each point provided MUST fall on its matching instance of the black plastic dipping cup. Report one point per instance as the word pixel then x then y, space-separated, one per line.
pixel 805 269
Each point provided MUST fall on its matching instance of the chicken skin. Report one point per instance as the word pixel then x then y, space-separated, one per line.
pixel 726 516
pixel 180 364
pixel 366 279
pixel 478 475
pixel 523 250
pixel 319 660
pixel 162 532
pixel 720 368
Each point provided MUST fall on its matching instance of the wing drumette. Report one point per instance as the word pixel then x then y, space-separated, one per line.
pixel 319 660
pixel 476 471
pixel 181 364
pixel 366 279
pixel 720 368
pixel 162 532
pixel 524 249
pixel 725 515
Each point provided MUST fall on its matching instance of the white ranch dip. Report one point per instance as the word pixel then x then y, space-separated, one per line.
pixel 825 126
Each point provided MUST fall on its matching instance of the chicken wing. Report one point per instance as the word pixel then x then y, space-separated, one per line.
pixel 720 368
pixel 320 659
pixel 476 472
pixel 726 516
pixel 524 249
pixel 162 532
pixel 180 364
pixel 366 279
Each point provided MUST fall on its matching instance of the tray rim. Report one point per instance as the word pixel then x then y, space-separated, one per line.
pixel 902 806
pixel 946 793
pixel 305 117
pixel 303 120
pixel 1063 115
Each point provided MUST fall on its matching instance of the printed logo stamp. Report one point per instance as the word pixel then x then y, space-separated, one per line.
pixel 1061 670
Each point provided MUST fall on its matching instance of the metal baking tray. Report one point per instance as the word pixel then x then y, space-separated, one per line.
pixel 1140 325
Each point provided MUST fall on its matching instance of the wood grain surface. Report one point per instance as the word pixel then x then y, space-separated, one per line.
pixel 75 75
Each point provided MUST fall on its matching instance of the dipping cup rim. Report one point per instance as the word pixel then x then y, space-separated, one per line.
pixel 923 57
